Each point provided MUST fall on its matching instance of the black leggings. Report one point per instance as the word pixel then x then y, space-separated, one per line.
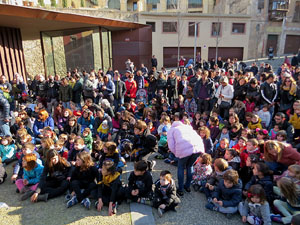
pixel 77 185
pixel 55 188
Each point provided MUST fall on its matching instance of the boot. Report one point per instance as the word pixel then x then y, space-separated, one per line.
pixel 43 197
pixel 27 195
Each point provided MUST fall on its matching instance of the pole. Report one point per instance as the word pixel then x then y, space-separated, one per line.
pixel 195 43
pixel 178 40
pixel 217 40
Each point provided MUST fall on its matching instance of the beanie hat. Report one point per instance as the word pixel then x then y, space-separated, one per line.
pixel 165 129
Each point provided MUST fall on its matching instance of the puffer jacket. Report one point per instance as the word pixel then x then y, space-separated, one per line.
pixel 33 176
pixel 4 107
pixel 253 92
pixel 262 211
pixel 65 93
pixel 183 141
pixel 230 197
pixel 253 126
pixel 268 93
pixel 49 122
pixel 266 183
pixel 295 121
pixel 7 152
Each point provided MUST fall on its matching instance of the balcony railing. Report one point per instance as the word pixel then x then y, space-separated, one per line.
pixel 278 9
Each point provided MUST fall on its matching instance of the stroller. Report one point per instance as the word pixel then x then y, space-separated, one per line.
pixel 141 96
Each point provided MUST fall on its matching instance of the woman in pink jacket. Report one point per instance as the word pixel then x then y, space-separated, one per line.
pixel 186 145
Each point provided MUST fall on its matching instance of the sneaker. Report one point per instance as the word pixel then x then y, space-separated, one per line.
pixel 68 197
pixel 160 212
pixel 187 189
pixel 86 203
pixel 114 208
pixel 72 201
pixel 228 215
pixel 180 193
pixel 145 201
pixel 276 218
pixel 210 206
pixel 152 165
pixel 27 195
pixel 196 187
pixel 168 161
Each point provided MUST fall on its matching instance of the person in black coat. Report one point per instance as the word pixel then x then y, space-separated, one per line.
pixel 240 90
pixel 165 197
pixel 109 188
pixel 82 176
pixel 53 181
pixel 120 91
pixel 73 127
pixel 172 87
pixel 140 183
pixel 294 61
pixel 77 91
pixel 154 61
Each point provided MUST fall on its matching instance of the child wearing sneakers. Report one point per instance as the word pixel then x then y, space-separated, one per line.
pixel 202 171
pixel 109 187
pixel 140 182
pixel 82 176
pixel 165 197
pixel 227 195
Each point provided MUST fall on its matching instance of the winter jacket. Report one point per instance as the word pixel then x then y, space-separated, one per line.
pixel 88 88
pixel 52 89
pixel 98 122
pixel 285 125
pixel 72 154
pixel 209 86
pixel 227 92
pixel 295 121
pixel 162 141
pixel 86 123
pixel 7 152
pixel 65 93
pixel 208 145
pixel 140 83
pixel 261 211
pixel 244 155
pixel 77 92
pixel 219 152
pixel 235 163
pixel 41 89
pixel 201 172
pixel 62 122
pixel 253 126
pixel 216 177
pixel 115 157
pixel 131 88
pixel 240 92
pixel 88 141
pixel 183 141
pixel 49 122
pixel 33 176
pixel 172 88
pixel 266 183
pixel 230 197
pixel 75 129
pixel 3 173
pixel 120 89
pixel 268 93
pixel 190 107
pixel 214 132
pixel 4 107
pixel 110 88
pixel 143 183
pixel 289 156
pixel 161 84
pixel 265 117
pixel 109 190
pixel 167 196
pixel 87 176
pixel 146 142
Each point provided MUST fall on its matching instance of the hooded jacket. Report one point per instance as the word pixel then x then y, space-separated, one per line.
pixel 230 197
pixel 170 195
pixel 267 184
pixel 183 141
pixel 49 122
pixel 33 176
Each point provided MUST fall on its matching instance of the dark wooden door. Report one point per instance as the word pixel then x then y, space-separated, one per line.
pixel 292 44
pixel 171 55
pixel 226 52
pixel 272 41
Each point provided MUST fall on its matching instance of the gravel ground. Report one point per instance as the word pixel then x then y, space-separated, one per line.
pixel 192 208
pixel 54 211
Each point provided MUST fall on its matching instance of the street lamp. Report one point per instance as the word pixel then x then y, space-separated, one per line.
pixel 195 40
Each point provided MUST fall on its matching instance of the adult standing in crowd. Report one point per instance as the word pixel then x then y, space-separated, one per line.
pixel 41 90
pixel 131 88
pixel 186 145
pixel 108 89
pixel 154 61
pixel 52 90
pixel 269 92
pixel 120 91
pixel 65 93
pixel 224 95
pixel 172 87
pixel 77 91
pixel 4 116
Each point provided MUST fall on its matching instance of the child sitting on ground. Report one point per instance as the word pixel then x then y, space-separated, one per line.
pixel 7 150
pixel 273 132
pixel 202 171
pixel 140 182
pixel 109 187
pixel 204 133
pixel 109 152
pixel 61 149
pixel 165 197
pixel 87 137
pixel 163 144
pixel 227 195
pixel 255 209
pixel 233 158
pixel 79 146
pixel 281 136
pixel 251 148
pixel 293 172
pixel 220 151
pixel 32 172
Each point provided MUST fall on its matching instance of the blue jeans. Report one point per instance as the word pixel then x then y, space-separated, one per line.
pixel 4 128
pixel 66 105
pixel 276 167
pixel 186 163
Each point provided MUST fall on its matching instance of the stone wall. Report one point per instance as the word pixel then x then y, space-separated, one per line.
pixel 33 57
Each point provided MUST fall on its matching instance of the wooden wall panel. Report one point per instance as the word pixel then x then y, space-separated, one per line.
pixel 11 53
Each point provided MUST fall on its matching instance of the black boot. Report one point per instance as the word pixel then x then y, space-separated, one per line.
pixel 27 195
pixel 43 198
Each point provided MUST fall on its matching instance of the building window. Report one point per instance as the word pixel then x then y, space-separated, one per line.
pixel 195 4
pixel 134 6
pixel 238 28
pixel 169 27
pixel 113 4
pixel 216 29
pixel 192 29
pixel 278 9
pixel 261 4
pixel 152 25
pixel 154 7
pixel 171 4
pixel 296 17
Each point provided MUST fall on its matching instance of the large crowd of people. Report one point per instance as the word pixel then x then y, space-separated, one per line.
pixel 233 130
